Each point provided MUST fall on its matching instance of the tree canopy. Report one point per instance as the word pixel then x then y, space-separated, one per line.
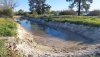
pixel 81 4
pixel 39 6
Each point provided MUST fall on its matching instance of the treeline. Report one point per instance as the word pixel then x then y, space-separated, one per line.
pixel 39 7
pixel 57 13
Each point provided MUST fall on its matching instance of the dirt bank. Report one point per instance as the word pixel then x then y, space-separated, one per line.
pixel 82 30
pixel 34 46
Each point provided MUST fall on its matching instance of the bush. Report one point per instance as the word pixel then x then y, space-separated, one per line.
pixel 32 14
pixel 26 14
pixel 1 12
pixel 7 12
pixel 55 13
pixel 20 12
pixel 94 13
pixel 68 12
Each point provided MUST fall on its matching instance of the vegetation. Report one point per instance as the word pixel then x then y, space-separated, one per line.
pixel 94 13
pixel 8 3
pixel 67 12
pixel 7 12
pixel 7 7
pixel 39 6
pixel 81 4
pixel 39 9
pixel 20 12
pixel 7 27
pixel 84 20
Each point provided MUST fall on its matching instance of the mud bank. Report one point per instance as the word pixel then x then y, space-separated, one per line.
pixel 29 48
pixel 88 32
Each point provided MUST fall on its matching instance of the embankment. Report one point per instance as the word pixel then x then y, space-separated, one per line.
pixel 85 31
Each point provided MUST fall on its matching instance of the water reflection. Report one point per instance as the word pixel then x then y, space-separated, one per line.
pixel 59 33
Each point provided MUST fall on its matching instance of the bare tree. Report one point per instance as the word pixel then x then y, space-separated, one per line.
pixel 8 3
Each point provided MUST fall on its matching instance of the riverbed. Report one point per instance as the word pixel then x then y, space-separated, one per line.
pixel 58 38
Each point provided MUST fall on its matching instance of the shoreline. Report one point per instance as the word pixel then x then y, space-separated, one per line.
pixel 81 30
pixel 29 47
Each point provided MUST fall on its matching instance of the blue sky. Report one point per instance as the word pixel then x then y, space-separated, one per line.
pixel 55 5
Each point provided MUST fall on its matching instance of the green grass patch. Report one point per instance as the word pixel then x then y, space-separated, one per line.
pixel 7 27
pixel 84 20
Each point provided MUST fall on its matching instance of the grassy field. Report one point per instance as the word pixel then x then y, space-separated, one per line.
pixel 84 20
pixel 7 27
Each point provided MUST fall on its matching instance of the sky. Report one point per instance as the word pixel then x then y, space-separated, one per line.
pixel 55 5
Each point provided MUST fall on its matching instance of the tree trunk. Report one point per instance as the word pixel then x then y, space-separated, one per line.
pixel 79 8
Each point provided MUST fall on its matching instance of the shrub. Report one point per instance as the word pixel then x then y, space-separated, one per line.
pixel 56 13
pixel 20 12
pixel 7 12
pixel 68 12
pixel 94 13
pixel 0 12
pixel 26 14
pixel 32 14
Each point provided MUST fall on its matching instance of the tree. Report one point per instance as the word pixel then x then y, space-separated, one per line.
pixel 8 3
pixel 20 12
pixel 39 6
pixel 81 4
